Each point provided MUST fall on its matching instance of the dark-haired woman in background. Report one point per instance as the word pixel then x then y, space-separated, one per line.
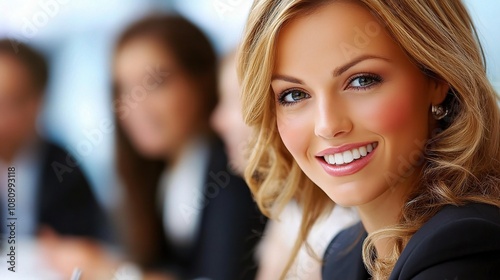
pixel 184 215
pixel 183 207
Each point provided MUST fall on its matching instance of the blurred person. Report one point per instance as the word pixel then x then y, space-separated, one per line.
pixel 185 207
pixel 184 215
pixel 226 119
pixel 281 232
pixel 49 194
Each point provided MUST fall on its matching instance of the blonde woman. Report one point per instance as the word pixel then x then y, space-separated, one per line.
pixel 280 234
pixel 383 105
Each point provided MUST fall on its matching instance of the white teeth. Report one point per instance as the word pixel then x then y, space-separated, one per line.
pixel 339 159
pixel 369 148
pixel 347 155
pixel 351 155
pixel 355 153
pixel 362 151
pixel 331 159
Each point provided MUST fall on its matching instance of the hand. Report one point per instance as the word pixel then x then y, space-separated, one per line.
pixel 64 254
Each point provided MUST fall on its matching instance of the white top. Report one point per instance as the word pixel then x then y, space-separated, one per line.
pixel 280 236
pixel 182 190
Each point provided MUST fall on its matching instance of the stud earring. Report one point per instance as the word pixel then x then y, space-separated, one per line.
pixel 439 112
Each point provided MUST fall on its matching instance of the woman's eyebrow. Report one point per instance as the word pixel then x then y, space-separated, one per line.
pixel 341 69
pixel 336 72
pixel 286 79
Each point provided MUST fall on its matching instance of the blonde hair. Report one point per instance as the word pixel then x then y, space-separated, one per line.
pixel 461 162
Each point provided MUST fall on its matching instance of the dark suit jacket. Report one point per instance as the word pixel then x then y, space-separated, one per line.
pixel 66 202
pixel 231 226
pixel 457 243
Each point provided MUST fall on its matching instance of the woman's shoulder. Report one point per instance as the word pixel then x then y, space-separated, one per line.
pixel 459 241
pixel 467 219
pixel 343 259
pixel 480 211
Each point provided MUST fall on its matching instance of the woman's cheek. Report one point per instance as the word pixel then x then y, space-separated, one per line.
pixel 293 131
pixel 400 119
pixel 387 114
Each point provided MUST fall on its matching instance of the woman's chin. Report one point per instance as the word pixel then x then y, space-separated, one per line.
pixel 349 194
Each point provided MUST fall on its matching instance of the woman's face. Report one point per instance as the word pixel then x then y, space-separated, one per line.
pixel 19 105
pixel 158 104
pixel 352 109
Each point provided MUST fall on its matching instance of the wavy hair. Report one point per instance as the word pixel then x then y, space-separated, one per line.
pixel 461 160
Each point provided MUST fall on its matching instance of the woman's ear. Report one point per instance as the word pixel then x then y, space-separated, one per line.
pixel 440 89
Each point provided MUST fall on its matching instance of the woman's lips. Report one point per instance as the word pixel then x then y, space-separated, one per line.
pixel 347 159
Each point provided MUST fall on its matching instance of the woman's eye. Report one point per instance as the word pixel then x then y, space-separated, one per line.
pixel 292 96
pixel 364 81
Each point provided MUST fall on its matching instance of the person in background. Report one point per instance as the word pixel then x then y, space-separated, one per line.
pixel 184 214
pixel 50 196
pixel 281 232
pixel 186 211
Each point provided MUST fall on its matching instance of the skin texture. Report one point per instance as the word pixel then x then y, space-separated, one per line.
pixel 170 113
pixel 227 119
pixel 321 57
pixel 19 106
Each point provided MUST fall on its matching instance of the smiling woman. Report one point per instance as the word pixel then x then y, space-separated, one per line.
pixel 378 100
pixel 385 106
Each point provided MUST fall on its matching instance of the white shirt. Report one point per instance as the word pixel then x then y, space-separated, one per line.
pixel 280 236
pixel 182 188
pixel 27 164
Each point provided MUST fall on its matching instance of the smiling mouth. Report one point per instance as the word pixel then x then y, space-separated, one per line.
pixel 349 156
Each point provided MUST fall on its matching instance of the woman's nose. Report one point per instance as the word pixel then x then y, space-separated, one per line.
pixel 332 119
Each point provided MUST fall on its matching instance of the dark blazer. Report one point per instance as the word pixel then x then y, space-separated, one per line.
pixel 66 202
pixel 457 243
pixel 231 226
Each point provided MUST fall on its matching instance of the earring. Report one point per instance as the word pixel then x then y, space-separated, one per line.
pixel 439 112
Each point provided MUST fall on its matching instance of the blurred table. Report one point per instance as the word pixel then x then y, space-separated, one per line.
pixel 30 263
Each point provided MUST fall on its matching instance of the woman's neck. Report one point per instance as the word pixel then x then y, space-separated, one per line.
pixel 385 211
